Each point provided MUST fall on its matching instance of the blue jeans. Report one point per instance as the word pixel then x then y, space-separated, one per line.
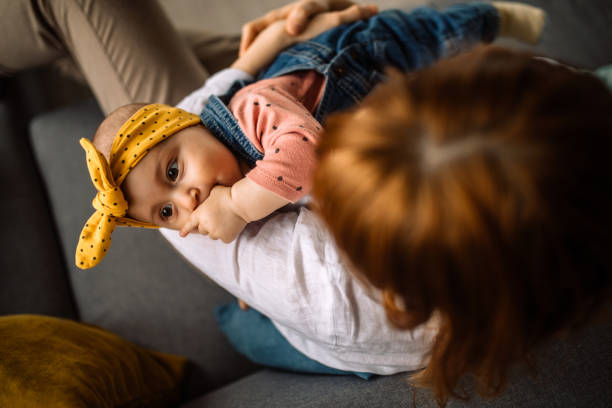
pixel 255 336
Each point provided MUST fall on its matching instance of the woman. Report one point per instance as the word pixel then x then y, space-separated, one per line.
pixel 302 239
pixel 478 197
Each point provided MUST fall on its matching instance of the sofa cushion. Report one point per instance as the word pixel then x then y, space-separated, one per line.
pixel 571 371
pixel 142 290
pixel 52 362
pixel 276 389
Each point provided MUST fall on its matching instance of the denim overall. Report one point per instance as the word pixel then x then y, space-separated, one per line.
pixel 353 58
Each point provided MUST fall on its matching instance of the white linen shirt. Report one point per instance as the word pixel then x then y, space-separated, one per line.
pixel 288 267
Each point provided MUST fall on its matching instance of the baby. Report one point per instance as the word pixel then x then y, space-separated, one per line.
pixel 253 150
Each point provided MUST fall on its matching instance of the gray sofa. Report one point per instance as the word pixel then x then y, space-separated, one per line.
pixel 146 293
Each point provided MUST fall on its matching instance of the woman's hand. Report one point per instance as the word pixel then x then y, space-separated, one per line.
pixel 327 20
pixel 242 304
pixel 274 38
pixel 296 15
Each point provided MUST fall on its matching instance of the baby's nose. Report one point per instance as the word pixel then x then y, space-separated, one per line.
pixel 190 199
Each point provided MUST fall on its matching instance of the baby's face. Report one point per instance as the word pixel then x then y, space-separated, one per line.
pixel 177 175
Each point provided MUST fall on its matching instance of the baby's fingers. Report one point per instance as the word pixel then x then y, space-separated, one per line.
pixel 189 226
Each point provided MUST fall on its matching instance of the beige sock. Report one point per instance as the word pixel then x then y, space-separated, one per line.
pixel 520 21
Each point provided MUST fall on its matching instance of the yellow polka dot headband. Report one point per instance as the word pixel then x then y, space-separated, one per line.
pixel 149 126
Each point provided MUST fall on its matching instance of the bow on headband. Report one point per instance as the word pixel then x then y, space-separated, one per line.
pixel 149 126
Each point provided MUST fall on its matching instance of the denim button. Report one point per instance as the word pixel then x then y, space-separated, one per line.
pixel 339 70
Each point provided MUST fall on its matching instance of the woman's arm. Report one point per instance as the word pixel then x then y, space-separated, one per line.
pixel 272 40
pixel 218 84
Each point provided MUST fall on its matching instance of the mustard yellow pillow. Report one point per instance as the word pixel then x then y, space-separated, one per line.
pixel 51 362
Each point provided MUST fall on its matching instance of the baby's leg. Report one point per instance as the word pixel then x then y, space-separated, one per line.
pixel 416 39
pixel 128 51
pixel 520 21
pixel 413 40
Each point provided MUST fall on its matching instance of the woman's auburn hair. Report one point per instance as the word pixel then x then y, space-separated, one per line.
pixel 479 190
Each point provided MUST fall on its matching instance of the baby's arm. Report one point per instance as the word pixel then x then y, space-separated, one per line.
pixel 253 202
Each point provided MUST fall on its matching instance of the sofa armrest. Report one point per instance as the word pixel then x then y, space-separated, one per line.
pixel 33 277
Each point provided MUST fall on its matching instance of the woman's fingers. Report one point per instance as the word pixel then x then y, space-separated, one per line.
pixel 242 304
pixel 356 12
pixel 331 19
pixel 251 29
pixel 249 32
pixel 300 15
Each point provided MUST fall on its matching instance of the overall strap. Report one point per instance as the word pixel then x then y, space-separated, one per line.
pixel 218 119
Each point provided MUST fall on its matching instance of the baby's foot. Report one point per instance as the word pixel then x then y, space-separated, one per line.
pixel 520 21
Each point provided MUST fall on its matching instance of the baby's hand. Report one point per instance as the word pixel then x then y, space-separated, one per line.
pixel 215 217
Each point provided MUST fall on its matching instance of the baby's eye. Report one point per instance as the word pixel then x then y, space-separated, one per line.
pixel 172 171
pixel 166 212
